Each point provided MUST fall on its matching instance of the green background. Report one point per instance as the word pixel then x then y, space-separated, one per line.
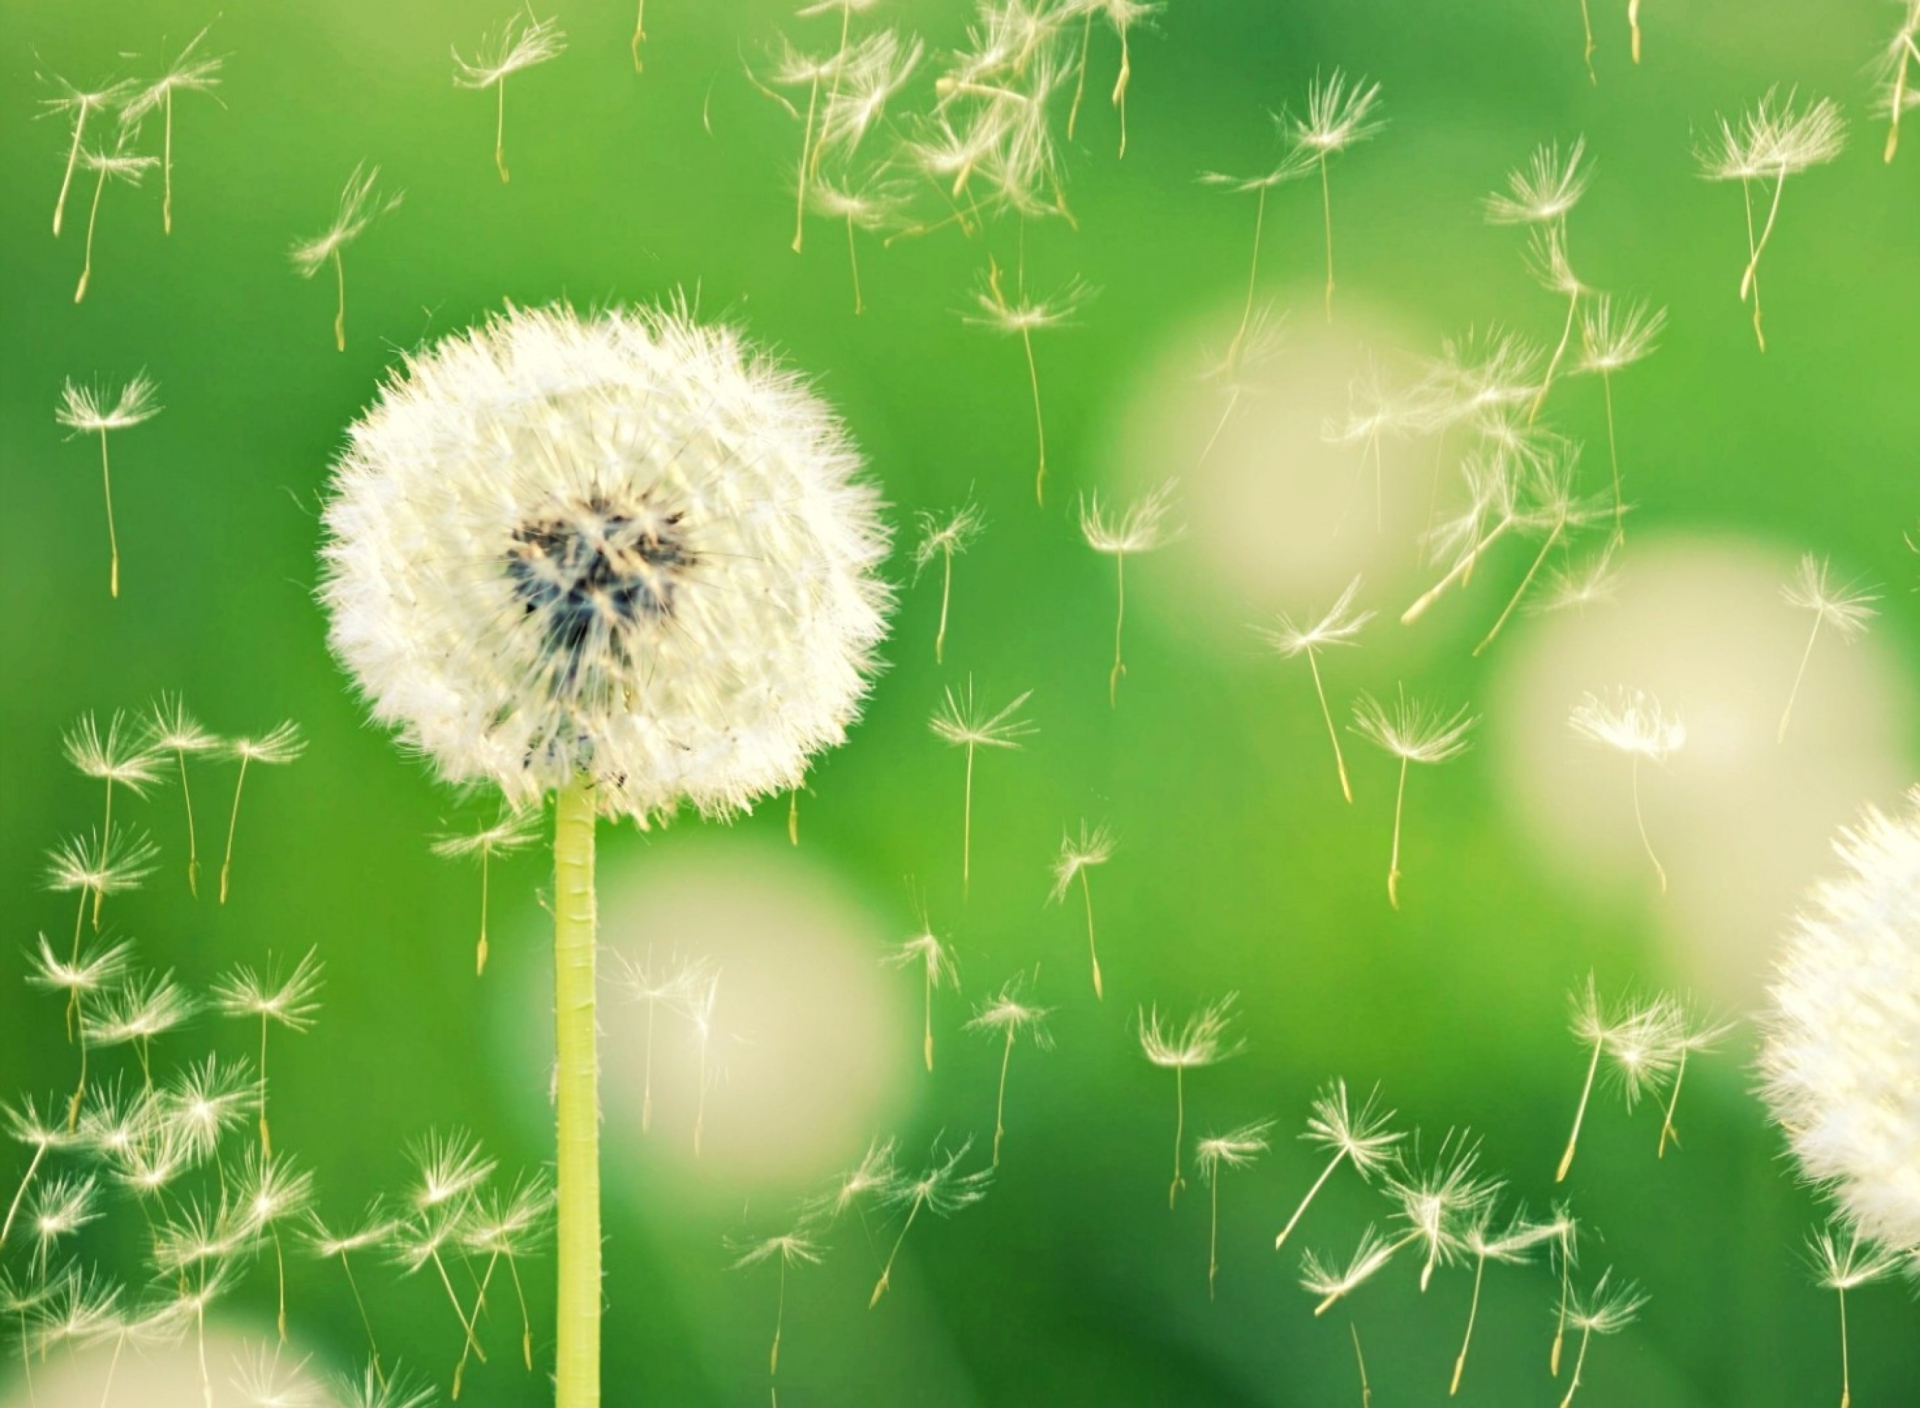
pixel 1071 1283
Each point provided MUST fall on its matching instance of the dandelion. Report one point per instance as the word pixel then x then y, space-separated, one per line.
pixel 507 1228
pixel 203 1102
pixel 871 206
pixel 375 1390
pixel 672 984
pixel 89 971
pixel 144 1008
pixel 191 72
pixel 1608 344
pixel 1413 732
pixel 1631 721
pixel 1142 528
pixel 1638 1038
pixel 703 995
pixel 873 1180
pixel 96 865
pixel 1202 1041
pixel 1848 608
pixel 514 831
pixel 1007 1012
pixel 1237 1148
pixel 275 748
pixel 114 757
pixel 359 207
pixel 1510 1246
pixel 1545 190
pixel 1565 1250
pixel 1605 1309
pixel 961 723
pixel 927 952
pixel 1334 1283
pixel 1440 1200
pixel 25 1126
pixel 374 1232
pixel 521 43
pixel 81 104
pixel 263 1382
pixel 1021 316
pixel 289 1002
pixel 1842 1267
pixel 1556 514
pixel 1340 626
pixel 1296 163
pixel 1690 1033
pixel 1078 855
pixel 946 538
pixel 268 1192
pixel 115 163
pixel 940 1189
pixel 1340 113
pixel 1777 139
pixel 171 729
pixel 797 1247
pixel 94 410
pixel 1898 93
pixel 1362 1139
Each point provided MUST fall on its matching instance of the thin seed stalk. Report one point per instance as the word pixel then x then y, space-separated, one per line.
pixel 1312 1192
pixel 366 1320
pixel 480 953
pixel 266 1138
pixel 779 1320
pixel 946 600
pixel 577 1357
pixel 1079 87
pixel 1473 1313
pixel 639 33
pixel 73 160
pixel 500 134
pixel 1751 279
pixel 806 168
pixel 166 174
pixel 1213 1233
pixel 1667 1132
pixel 1000 1105
pixel 886 1273
pixel 1393 864
pixel 1326 206
pixel 340 304
pixel 1339 759
pixel 927 1027
pixel 1586 19
pixel 1119 627
pixel 1560 1325
pixel 1633 23
pixel 93 219
pixel 853 263
pixel 1579 1362
pixel 233 825
pixel 1846 1369
pixel 1766 233
pixel 1641 821
pixel 1525 582
pixel 113 538
pixel 1559 354
pixel 1120 87
pixel 1799 675
pixel 1039 420
pixel 33 1167
pixel 193 840
pixel 966 839
pixel 1613 457
pixel 1459 570
pixel 1179 1131
pixel 1579 1116
pixel 1366 1389
pixel 1093 952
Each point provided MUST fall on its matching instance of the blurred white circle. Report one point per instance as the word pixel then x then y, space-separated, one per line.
pixel 1740 820
pixel 242 1369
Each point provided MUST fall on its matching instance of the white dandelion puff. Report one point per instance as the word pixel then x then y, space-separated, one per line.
pixel 1341 625
pixel 1008 1014
pixel 522 42
pixel 1296 163
pixel 1632 722
pixel 654 983
pixel 1413 732
pixel 946 537
pixel 1201 1041
pixel 360 205
pixel 1333 1283
pixel 1141 528
pixel 1078 855
pixel 961 723
pixel 1847 609
pixel 94 410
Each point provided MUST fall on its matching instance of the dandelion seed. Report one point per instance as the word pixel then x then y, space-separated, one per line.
pixel 1360 1138
pixel 268 1193
pixel 1545 190
pixel 290 1002
pixel 25 1126
pixel 671 983
pixel 942 1190
pixel 1495 507
pixel 171 729
pixel 1610 343
pixel 1236 371
pixel 144 1008
pixel 1372 414
pixel 514 831
pixel 1413 732
pixel 961 723
pixel 275 748
pixel 946 538
pixel 1439 1201
pixel 795 69
pixel 202 1103
pixel 873 205
pixel 1340 626
pixel 1605 1309
pixel 1339 114
pixel 1565 1251
pixel 1578 585
pixel 374 1232
pixel 702 996
pixel 1078 855
pixel 78 1306
pixel 1847 608
pixel 264 1382
pixel 508 1228
pixel 522 42
pixel 1510 1246
pixel 1842 1267
pixel 797 1247
pixel 927 952
pixel 866 77
pixel 1121 16
pixel 115 163
pixel 1006 1012
pixel 1631 721
pixel 1334 1283
pixel 96 865
pixel 418 1244
pixel 1237 1148
pixel 1690 1033
pixel 1201 1041
pixel 1366 1389
pixel 1556 514
pixel 115 757
pixel 1897 89
pixel 191 72
pixel 1550 266
pixel 1637 1037
pixel 82 105
pixel 88 972
pixel 1142 528
pixel 359 207
pixel 375 1390
pixel 872 1180
pixel 1020 316
pixel 1777 139
pixel 94 410
pixel 990 141
pixel 1296 163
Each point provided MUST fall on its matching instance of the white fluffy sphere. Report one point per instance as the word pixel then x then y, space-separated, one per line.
pixel 1842 1050
pixel 623 545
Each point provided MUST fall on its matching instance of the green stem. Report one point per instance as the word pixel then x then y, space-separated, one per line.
pixel 577 1366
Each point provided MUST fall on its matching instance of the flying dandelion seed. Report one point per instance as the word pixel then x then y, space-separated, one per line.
pixel 92 970
pixel 1339 114
pixel 1335 1283
pixel 95 410
pixel 793 68
pixel 1413 732
pixel 871 1181
pixel 871 206
pixel 1586 54
pixel 1556 514
pixel 1142 528
pixel 81 104
pixel 1078 855
pixel 1007 1013
pixel 1605 1309
pixel 1497 504
pixel 1373 413
pixel 1340 626
pixel 522 42
pixel 639 32
pixel 1511 1246
pixel 1441 1200
pixel 1843 1266
pixel 1691 1033
pixel 25 1126
pixel 797 1247
pixel 1021 316
pixel 171 729
pixel 669 983
pixel 941 1189
pixel 1362 1139
pixel 1608 343
pixel 1545 190
pixel 1637 1038
pixel 115 163
pixel 373 1233
pixel 289 1002
pixel 262 1381
pixel 946 538
pixel 276 748
pixel 1565 1251
pixel 1237 370
pixel 268 1192
pixel 1236 1149
pixel 1631 721
pixel 359 208
pixel 701 998
pixel 509 1227
pixel 94 866
pixel 513 832
pixel 961 723
pixel 1549 266
pixel 375 1390
pixel 1898 94
pixel 1633 25
pixel 137 1013
pixel 191 72
pixel 1847 608
pixel 1121 16
pixel 1201 1041
pixel 1579 584
pixel 1777 139
pixel 114 756
pixel 935 961
pixel 1295 164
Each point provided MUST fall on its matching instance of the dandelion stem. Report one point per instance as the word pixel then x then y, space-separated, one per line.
pixel 927 1038
pixel 639 34
pixel 1633 23
pixel 1579 1362
pixel 500 133
pixel 193 841
pixel 1079 87
pixel 1766 233
pixel 1751 279
pixel 233 824
pixel 1326 206
pixel 886 1273
pixel 946 597
pixel 93 219
pixel 853 263
pixel 1039 420
pixel 33 1167
pixel 1119 627
pixel 1179 1130
pixel 1000 1106
pixel 1613 456
pixel 577 1366
pixel 1640 820
pixel 166 177
pixel 1520 591
pixel 80 126
pixel 1799 675
pixel 966 849
pixel 113 538
pixel 1846 1369
pixel 1473 1312
pixel 1300 1211
pixel 1339 760
pixel 779 1319
pixel 1213 1234
pixel 1093 952
pixel 340 305
pixel 1393 865
pixel 1579 1116
pixel 1667 1131
pixel 1559 354
pixel 360 1304
pixel 1366 1390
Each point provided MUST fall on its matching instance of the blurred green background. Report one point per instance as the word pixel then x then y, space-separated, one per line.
pixel 1238 870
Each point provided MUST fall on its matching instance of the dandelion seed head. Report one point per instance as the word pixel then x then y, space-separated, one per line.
pixel 118 162
pixel 375 1389
pixel 1606 1308
pixel 1365 1136
pixel 1612 337
pixel 867 76
pixel 962 723
pixel 1091 847
pixel 360 205
pixel 1581 583
pixel 279 746
pixel 449 1166
pixel 1237 1148
pixel 1546 189
pixel 91 409
pixel 870 1180
pixel 795 1248
pixel 191 72
pixel 102 864
pixel 1847 609
pixel 1331 1282
pixel 144 1007
pixel 1201 1041
pixel 521 42
pixel 931 955
pixel 290 1001
pixel 1008 1013
pixel 1412 730
pixel 951 534
pixel 1438 1200
pixel 940 1187
pixel 1629 721
pixel 1141 528
pixel 1844 1262
pixel 514 831
pixel 1550 265
pixel 1340 112
pixel 1777 138
pixel 1020 313
pixel 1341 625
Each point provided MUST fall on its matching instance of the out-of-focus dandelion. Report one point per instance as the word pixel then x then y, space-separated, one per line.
pixel 137 1013
pixel 373 1233
pixel 263 1381
pixel 931 956
pixel 1142 528
pixel 1362 1138
pixel 270 1191
pixel 1898 94
pixel 1610 342
pixel 1019 315
pixel 1631 721
pixel 1008 1013
pixel 1847 608
pixel 1604 1309
pixel 1413 732
pixel 191 72
pixel 961 723
pixel 1511 1245
pixel 701 1001
pixel 1121 16
pixel 1552 268
pixel 1442 1199
pixel 1843 1263
pixel 1639 1038
pixel 1556 514
pixel 1777 139
pixel 1578 584
pixel 1201 1041
pixel 1236 370
pixel 1373 413
pixel 514 831
pixel 940 1189
pixel 171 729
pixel 94 410
pixel 522 42
pixel 1078 855
pixel 289 1002
pixel 1238 1148
pixel 797 1247
pixel 81 104
pixel 116 163
pixel 1545 190
pixel 946 538
pixel 1691 1032
pixel 654 983
pixel 360 206
pixel 1340 112
pixel 1296 163
pixel 280 745
pixel 372 1389
pixel 1340 626
pixel 1565 1251
pixel 871 1181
